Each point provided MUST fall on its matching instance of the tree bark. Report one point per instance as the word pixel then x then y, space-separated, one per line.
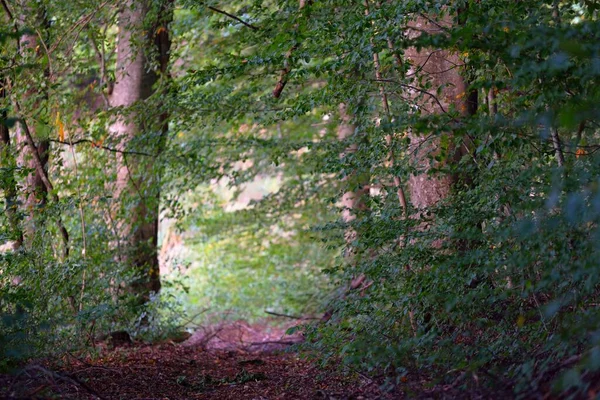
pixel 35 193
pixel 136 190
pixel 352 200
pixel 8 183
pixel 441 69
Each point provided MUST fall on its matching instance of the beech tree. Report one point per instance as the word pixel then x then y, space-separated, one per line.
pixel 141 72
pixel 442 69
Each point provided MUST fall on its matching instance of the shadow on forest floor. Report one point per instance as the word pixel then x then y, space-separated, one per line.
pixel 229 360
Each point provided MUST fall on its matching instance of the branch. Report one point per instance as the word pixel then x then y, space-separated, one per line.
pixel 288 316
pixel 5 6
pixel 233 17
pixel 100 54
pixel 283 77
pixel 66 378
pixel 132 152
pixel 415 88
pixel 81 23
pixel 284 342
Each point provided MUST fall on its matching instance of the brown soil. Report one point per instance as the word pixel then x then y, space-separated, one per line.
pixel 227 361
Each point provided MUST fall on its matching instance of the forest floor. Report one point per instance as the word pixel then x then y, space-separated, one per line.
pixel 233 360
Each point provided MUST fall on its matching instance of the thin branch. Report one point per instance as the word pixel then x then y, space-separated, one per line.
pixel 84 20
pixel 39 167
pixel 94 144
pixel 254 28
pixel 289 316
pixel 41 39
pixel 434 22
pixel 5 6
pixel 385 103
pixel 64 377
pixel 411 87
pixel 283 77
pixel 284 342
pixel 100 54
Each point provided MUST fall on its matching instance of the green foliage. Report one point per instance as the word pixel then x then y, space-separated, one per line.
pixel 510 289
pixel 242 263
pixel 499 279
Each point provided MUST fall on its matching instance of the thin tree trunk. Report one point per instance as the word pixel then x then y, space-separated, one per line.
pixel 352 200
pixel 33 150
pixel 8 183
pixel 560 157
pixel 136 190
pixel 386 107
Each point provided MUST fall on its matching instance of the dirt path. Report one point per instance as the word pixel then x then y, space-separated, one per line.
pixel 231 360
pixel 224 362
pixel 177 372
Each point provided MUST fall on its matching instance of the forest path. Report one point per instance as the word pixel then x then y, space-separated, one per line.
pixel 210 365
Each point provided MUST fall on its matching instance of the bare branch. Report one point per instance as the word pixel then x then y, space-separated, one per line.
pixel 233 17
pixel 7 10
pixel 289 316
pixel 79 141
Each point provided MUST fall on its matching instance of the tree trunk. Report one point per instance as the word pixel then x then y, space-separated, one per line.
pixel 8 183
pixel 352 200
pixel 136 190
pixel 35 193
pixel 440 68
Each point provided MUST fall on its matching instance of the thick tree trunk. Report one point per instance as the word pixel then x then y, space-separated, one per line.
pixel 136 190
pixel 441 69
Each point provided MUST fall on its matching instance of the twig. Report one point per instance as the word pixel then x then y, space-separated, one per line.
pixel 415 88
pixel 233 17
pixel 537 303
pixel 100 54
pixel 283 77
pixel 286 342
pixel 8 12
pixel 83 20
pixel 78 141
pixel 65 377
pixel 384 100
pixel 190 320
pixel 92 366
pixel 289 316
